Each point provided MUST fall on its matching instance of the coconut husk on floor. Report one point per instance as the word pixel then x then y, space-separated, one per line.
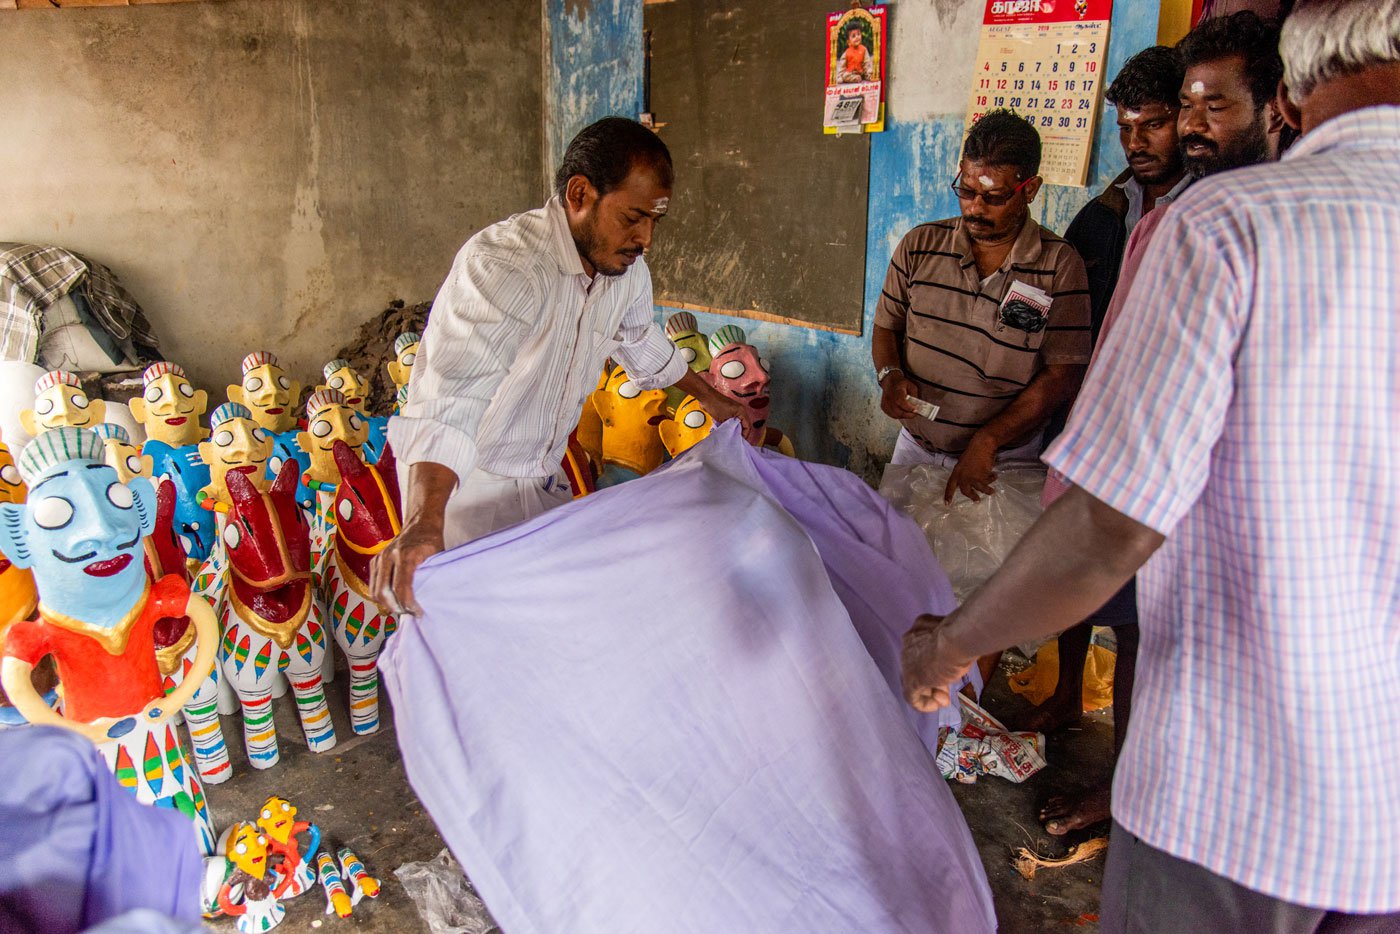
pixel 1027 862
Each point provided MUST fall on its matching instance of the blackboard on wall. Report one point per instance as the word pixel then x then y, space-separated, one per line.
pixel 768 218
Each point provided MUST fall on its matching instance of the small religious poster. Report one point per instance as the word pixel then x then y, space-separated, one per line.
pixel 855 71
pixel 1044 59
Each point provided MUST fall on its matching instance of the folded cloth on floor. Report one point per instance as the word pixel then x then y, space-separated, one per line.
pixel 651 709
pixel 77 849
pixel 33 277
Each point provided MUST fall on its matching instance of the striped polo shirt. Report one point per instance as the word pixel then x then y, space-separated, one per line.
pixel 966 353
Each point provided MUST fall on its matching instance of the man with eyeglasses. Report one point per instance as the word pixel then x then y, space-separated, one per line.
pixel 983 316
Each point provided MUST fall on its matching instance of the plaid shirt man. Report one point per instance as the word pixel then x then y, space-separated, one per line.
pixel 1246 407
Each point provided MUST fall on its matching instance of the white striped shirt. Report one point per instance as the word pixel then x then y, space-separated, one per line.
pixel 1247 406
pixel 517 338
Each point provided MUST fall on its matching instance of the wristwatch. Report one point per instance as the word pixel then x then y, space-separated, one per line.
pixel 884 371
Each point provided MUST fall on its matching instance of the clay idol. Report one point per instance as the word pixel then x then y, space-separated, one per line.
pixel 685 334
pixel 737 371
pixel 690 425
pixel 342 377
pixel 630 416
pixel 268 392
pixel 170 407
pixel 121 455
pixel 237 443
pixel 59 400
pixel 81 532
pixel 405 353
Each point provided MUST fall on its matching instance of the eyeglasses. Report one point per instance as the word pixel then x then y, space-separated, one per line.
pixel 967 194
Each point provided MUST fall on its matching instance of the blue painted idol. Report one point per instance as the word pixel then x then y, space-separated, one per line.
pixel 378 437
pixel 81 529
pixel 285 448
pixel 193 523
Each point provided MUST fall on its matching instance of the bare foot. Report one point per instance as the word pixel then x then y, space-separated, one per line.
pixel 1064 813
pixel 1055 714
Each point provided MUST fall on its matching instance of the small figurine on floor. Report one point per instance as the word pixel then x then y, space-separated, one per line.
pixel 361 883
pixel 258 910
pixel 59 401
pixel 278 822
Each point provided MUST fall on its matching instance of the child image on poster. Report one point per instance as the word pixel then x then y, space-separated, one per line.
pixel 855 50
pixel 856 64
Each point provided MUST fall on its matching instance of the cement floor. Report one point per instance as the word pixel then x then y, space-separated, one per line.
pixel 359 795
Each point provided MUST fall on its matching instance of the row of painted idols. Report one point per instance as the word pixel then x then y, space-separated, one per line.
pixel 635 430
pixel 96 579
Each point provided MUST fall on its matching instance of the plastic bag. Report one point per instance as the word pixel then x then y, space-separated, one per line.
pixel 445 897
pixel 1037 683
pixel 984 746
pixel 971 540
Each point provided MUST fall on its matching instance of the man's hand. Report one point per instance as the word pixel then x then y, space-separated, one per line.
pixel 929 666
pixel 893 396
pixel 720 407
pixel 974 471
pixel 391 572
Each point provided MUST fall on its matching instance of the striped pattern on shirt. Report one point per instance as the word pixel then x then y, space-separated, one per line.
pixel 516 340
pixel 957 350
pixel 1247 406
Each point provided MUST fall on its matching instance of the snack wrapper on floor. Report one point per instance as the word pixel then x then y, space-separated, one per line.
pixel 984 746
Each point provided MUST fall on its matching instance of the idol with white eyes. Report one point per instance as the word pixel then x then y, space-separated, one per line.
pixel 59 401
pixel 329 418
pixel 17 594
pixel 267 392
pixel 405 355
pixel 694 348
pixel 81 532
pixel 688 427
pixel 739 372
pixel 236 442
pixel 341 377
pixel 257 909
pixel 169 407
pixel 630 416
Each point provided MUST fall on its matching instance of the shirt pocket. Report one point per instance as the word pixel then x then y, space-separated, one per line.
pixel 1012 353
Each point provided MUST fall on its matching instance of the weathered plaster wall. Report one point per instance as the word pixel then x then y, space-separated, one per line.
pixel 269 174
pixel 825 392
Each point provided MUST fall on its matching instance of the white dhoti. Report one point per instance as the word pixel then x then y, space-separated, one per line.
pixel 908 452
pixel 485 502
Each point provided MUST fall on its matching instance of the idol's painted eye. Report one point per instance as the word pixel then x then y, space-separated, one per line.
pixel 337 382
pixel 224 438
pixel 733 369
pixel 694 419
pixel 10 474
pixel 628 390
pixel 79 400
pixel 152 393
pixel 187 543
pixel 231 535
pixel 409 357
pixel 133 463
pixel 275 463
pixel 267 815
pixel 320 428
pixel 186 390
pixel 284 382
pixel 253 383
pixel 286 806
pixel 356 421
pixel 259 435
pixel 120 495
pixel 688 354
pixel 241 849
pixel 345 510
pixel 262 841
pixel 43 406
pixel 53 512
pixel 764 363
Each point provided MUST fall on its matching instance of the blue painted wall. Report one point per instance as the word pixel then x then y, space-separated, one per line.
pixel 825 394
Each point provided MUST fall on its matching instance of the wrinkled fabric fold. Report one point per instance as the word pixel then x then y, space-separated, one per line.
pixel 672 706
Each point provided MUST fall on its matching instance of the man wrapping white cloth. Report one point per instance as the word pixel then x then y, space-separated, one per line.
pixel 518 334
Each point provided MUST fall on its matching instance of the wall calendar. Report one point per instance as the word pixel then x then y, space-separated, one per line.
pixel 1044 59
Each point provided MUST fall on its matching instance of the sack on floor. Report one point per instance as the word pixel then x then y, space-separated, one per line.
pixel 971 540
pixel 1038 682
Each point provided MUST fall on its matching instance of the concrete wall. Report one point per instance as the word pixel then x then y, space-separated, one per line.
pixel 824 387
pixel 269 174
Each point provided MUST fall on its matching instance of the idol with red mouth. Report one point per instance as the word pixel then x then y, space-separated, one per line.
pixel 341 377
pixel 59 400
pixel 737 371
pixel 257 909
pixel 630 415
pixel 169 407
pixel 18 598
pixel 366 515
pixel 271 618
pixel 268 392
pixel 174 636
pixel 81 531
pixel 278 822
pixel 330 417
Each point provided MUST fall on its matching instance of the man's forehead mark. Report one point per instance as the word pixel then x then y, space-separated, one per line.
pixel 1198 87
pixel 1130 113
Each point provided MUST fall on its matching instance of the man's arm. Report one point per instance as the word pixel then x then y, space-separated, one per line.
pixel 1051 388
pixel 721 407
pixel 480 318
pixel 896 387
pixel 1043 588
